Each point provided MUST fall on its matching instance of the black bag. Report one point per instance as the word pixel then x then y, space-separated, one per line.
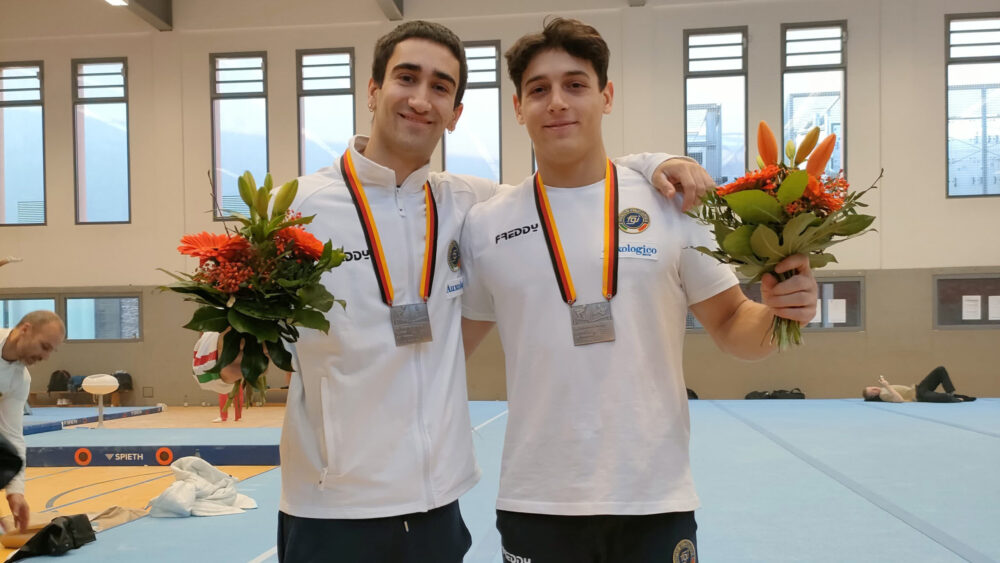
pixel 124 380
pixel 785 394
pixel 59 381
pixel 758 395
pixel 10 462
pixel 59 536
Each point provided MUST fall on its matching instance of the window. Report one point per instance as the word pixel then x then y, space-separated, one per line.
pixel 973 59
pixel 967 301
pixel 474 147
pixel 812 85
pixel 326 106
pixel 100 132
pixel 22 147
pixel 13 310
pixel 715 100
pixel 102 318
pixel 239 126
pixel 840 305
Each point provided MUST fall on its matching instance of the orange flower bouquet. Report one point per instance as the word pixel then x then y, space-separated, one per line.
pixel 780 210
pixel 258 283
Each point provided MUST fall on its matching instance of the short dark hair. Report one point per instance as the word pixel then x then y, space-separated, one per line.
pixel 419 29
pixel 573 36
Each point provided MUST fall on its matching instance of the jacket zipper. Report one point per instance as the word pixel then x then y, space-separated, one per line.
pixel 418 364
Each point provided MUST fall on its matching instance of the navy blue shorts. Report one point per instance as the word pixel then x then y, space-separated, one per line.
pixel 648 538
pixel 438 535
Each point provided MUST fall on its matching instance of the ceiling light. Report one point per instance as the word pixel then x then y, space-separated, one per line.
pixel 117 2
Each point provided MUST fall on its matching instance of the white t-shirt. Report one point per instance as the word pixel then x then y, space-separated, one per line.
pixel 15 383
pixel 602 428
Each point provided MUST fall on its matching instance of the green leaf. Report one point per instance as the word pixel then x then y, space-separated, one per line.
pixel 230 349
pixel 852 225
pixel 342 303
pixel 208 319
pixel 721 232
pixel 793 186
pixel 752 271
pixel 266 310
pixel 765 244
pixel 755 206
pixel 254 361
pixel 820 260
pixel 792 236
pixel 260 329
pixel 316 296
pixel 281 357
pixel 312 319
pixel 737 244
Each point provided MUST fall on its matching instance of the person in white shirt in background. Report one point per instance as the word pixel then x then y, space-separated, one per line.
pixel 590 303
pixel 32 339
pixel 376 445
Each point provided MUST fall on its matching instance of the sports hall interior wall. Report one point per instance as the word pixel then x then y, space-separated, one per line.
pixel 895 107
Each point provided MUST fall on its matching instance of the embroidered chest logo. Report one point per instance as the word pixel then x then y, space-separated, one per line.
pixel 516 232
pixel 454 256
pixel 351 255
pixel 633 220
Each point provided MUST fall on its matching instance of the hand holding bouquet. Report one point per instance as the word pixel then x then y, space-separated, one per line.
pixel 780 210
pixel 258 283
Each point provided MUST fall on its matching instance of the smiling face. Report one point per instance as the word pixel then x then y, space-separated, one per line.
pixel 562 106
pixel 34 343
pixel 416 101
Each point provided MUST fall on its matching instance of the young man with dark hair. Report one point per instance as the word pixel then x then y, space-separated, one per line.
pixel 376 446
pixel 35 336
pixel 591 311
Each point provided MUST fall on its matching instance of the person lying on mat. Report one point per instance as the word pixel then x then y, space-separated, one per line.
pixel 923 392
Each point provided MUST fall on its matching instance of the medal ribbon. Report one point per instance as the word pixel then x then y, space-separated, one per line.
pixel 609 276
pixel 375 243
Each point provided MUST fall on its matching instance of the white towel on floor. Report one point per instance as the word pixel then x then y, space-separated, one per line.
pixel 200 490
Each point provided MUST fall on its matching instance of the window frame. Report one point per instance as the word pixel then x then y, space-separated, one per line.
pixel 76 100
pixel 948 61
pixel 495 43
pixel 301 93
pixel 41 104
pixel 60 298
pixel 64 314
pixel 842 24
pixel 743 71
pixel 935 288
pixel 214 95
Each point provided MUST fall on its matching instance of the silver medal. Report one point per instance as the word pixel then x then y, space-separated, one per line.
pixel 592 323
pixel 410 323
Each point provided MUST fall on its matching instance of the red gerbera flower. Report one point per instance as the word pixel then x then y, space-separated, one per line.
pixel 303 244
pixel 750 181
pixel 212 246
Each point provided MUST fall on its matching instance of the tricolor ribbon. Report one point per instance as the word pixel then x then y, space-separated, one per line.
pixel 609 276
pixel 375 243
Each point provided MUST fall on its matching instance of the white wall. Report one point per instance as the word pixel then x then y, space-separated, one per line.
pixel 895 111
